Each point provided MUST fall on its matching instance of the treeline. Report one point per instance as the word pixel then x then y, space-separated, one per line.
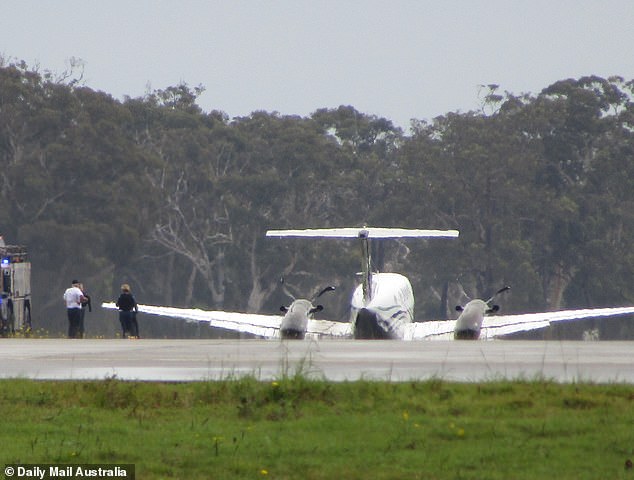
pixel 157 193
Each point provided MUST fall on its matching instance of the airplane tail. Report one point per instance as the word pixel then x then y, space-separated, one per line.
pixel 363 232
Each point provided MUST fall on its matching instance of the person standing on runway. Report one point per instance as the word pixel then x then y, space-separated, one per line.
pixel 127 313
pixel 73 297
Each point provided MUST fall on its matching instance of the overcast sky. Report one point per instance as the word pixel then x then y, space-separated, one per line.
pixel 395 59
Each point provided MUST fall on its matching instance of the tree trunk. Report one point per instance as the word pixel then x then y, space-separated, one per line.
pixel 557 286
pixel 189 290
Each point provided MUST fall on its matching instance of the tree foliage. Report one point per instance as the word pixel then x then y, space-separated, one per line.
pixel 157 193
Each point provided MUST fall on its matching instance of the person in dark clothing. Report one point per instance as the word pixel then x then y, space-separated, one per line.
pixel 128 309
pixel 85 305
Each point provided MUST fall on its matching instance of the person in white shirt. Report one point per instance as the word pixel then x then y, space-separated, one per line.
pixel 73 297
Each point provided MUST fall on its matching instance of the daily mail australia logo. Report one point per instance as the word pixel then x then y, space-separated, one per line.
pixel 42 471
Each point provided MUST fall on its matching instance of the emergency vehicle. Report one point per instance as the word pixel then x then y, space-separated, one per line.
pixel 15 297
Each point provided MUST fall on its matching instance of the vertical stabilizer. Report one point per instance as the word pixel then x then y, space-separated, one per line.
pixel 365 234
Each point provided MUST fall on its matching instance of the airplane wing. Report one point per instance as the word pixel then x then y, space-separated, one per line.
pixel 500 325
pixel 328 328
pixel 496 326
pixel 431 330
pixel 267 326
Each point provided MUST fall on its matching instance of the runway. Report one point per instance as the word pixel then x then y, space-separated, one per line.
pixel 336 360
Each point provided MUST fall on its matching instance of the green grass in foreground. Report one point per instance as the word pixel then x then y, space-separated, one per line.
pixel 301 428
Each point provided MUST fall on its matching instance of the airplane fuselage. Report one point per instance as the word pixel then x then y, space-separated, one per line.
pixel 388 310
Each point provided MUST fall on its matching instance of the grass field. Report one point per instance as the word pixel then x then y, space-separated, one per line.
pixel 297 428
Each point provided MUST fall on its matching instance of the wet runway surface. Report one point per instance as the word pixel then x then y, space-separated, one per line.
pixel 338 360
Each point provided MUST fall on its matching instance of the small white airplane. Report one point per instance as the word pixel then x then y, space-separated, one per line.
pixel 381 307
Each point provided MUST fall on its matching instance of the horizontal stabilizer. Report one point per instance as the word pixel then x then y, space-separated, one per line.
pixel 363 232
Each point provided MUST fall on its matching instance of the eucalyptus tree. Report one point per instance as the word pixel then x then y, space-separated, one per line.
pixel 190 153
pixel 222 185
pixel 67 176
pixel 28 123
pixel 573 121
pixel 367 145
pixel 527 186
pixel 472 172
pixel 605 267
pixel 291 182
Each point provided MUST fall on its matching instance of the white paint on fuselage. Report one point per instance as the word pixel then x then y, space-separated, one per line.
pixel 391 301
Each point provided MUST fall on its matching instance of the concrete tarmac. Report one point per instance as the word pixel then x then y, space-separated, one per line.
pixel 337 360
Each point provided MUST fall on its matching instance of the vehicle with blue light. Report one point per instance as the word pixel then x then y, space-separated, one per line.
pixel 15 295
